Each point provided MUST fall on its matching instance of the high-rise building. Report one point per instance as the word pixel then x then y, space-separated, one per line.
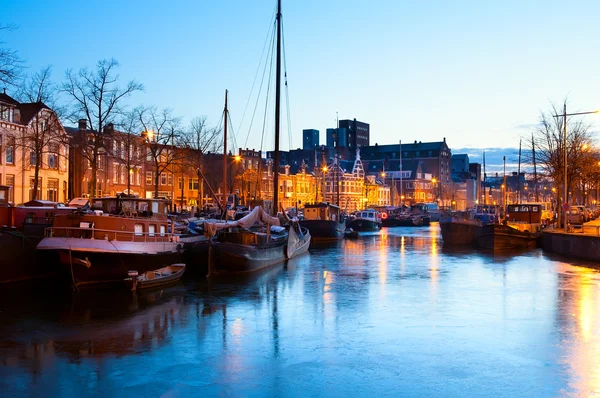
pixel 357 133
pixel 337 138
pixel 310 139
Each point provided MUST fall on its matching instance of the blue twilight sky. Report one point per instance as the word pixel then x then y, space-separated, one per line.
pixel 475 72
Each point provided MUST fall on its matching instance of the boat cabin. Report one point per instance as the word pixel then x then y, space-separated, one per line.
pixel 524 213
pixel 121 218
pixel 322 211
pixel 369 214
pixel 132 206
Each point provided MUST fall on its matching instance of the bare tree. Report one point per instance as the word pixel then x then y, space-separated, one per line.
pixel 198 140
pixel 128 147
pixel 44 138
pixel 548 139
pixel 97 98
pixel 161 130
pixel 10 63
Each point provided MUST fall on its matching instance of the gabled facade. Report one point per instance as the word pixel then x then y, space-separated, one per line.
pixel 31 134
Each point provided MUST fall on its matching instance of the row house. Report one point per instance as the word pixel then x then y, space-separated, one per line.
pixel 31 135
pixel 126 164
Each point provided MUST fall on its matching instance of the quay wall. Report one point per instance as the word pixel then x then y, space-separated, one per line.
pixel 574 245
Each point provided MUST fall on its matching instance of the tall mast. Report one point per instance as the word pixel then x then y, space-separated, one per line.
pixel 519 176
pixel 505 187
pixel 535 181
pixel 401 193
pixel 484 179
pixel 337 168
pixel 277 99
pixel 225 158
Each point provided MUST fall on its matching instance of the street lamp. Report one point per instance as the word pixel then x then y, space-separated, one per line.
pixel 564 116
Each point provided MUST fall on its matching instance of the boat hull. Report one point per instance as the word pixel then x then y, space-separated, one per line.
pixel 235 258
pixel 500 237
pixel 195 255
pixel 364 225
pixel 20 262
pixel 92 261
pixel 325 229
pixel 457 232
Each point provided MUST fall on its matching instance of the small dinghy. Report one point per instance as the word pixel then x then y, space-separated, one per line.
pixel 157 278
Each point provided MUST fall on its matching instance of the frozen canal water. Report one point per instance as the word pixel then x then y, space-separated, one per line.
pixel 390 314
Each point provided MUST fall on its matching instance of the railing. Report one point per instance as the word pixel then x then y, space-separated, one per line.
pixel 109 234
pixel 583 229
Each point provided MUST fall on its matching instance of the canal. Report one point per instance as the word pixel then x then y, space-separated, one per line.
pixel 390 314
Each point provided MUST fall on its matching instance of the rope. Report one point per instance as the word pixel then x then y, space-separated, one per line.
pixel 75 287
pixel 287 93
pixel 270 32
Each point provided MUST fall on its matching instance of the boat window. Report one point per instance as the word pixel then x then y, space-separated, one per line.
pixel 162 230
pixel 535 209
pixel 151 229
pixel 139 229
pixel 371 215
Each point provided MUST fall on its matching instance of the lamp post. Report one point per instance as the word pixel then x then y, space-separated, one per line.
pixel 564 116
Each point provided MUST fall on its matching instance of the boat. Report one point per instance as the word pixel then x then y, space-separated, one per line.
pixel 116 235
pixel 366 220
pixel 158 278
pixel 298 240
pixel 520 229
pixel 22 228
pixel 257 240
pixel 251 243
pixel 461 228
pixel 324 220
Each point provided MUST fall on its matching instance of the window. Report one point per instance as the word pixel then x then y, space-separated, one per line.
pixel 163 179
pixel 53 156
pixel 149 155
pixel 193 184
pixel 138 178
pixel 162 230
pixel 99 162
pixel 65 190
pixel 170 179
pixel 32 158
pixel 138 229
pixel 115 173
pixel 32 188
pixel 10 181
pixel 10 150
pixel 52 192
pixel 151 229
pixel 6 114
pixel 0 148
pixel 148 178
pixel 180 183
pixel 122 174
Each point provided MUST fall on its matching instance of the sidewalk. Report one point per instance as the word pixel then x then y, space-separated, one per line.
pixel 590 228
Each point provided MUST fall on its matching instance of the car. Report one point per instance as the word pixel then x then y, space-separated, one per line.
pixel 575 215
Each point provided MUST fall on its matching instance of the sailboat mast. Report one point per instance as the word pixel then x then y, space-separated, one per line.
pixel 484 180
pixel 225 158
pixel 535 181
pixel 519 176
pixel 401 193
pixel 277 110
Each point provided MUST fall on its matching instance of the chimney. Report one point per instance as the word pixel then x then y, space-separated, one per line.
pixel 82 124
pixel 109 128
